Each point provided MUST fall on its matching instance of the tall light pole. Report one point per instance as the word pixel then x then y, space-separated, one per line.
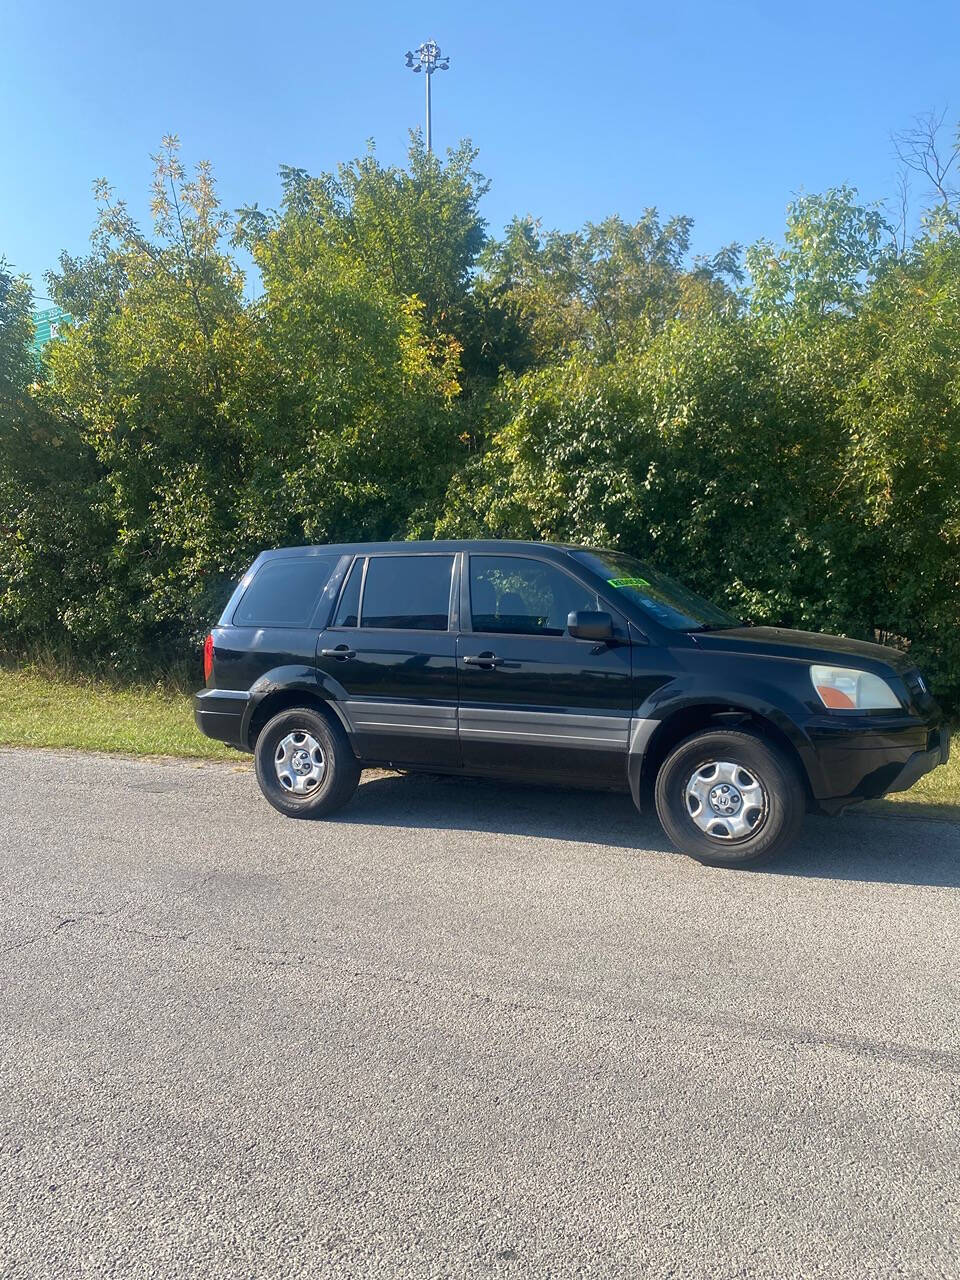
pixel 428 59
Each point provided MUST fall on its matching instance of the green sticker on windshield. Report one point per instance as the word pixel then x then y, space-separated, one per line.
pixel 628 582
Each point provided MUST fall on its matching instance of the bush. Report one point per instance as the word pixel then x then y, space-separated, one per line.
pixel 791 447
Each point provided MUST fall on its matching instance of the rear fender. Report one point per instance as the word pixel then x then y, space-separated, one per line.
pixel 291 678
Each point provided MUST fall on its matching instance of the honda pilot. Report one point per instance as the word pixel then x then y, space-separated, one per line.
pixel 555 664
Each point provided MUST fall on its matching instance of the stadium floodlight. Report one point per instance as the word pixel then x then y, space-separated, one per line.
pixel 428 59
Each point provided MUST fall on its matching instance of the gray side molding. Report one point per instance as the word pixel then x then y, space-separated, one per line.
pixel 641 731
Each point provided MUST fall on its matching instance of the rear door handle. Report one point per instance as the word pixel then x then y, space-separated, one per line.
pixel 341 651
pixel 483 660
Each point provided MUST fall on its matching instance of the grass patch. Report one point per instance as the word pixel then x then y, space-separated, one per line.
pixel 40 709
pixel 41 706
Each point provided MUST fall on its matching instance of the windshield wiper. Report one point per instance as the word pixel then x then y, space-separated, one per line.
pixel 721 626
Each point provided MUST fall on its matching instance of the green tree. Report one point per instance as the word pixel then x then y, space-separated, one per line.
pixel 901 407
pixel 148 376
pixel 833 246
pixel 417 229
pixel 790 447
pixel 607 288
pixel 349 424
pixel 16 333
pixel 45 518
pixel 706 452
pixel 197 427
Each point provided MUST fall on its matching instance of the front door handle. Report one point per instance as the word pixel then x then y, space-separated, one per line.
pixel 341 651
pixel 483 660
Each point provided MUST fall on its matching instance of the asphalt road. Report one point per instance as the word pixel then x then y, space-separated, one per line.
pixel 466 1029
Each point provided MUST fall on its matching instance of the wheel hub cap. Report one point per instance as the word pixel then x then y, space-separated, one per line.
pixel 726 801
pixel 299 762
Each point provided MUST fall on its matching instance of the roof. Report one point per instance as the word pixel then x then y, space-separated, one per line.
pixel 448 544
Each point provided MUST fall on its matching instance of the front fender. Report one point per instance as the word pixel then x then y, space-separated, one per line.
pixel 766 701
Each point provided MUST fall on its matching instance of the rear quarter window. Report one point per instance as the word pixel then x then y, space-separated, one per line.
pixel 284 593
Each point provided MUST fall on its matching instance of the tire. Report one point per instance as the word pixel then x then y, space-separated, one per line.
pixel 690 796
pixel 305 766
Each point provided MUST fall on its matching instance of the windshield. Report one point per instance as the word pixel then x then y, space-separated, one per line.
pixel 671 603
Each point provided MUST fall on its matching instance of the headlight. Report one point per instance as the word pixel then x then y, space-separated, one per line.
pixel 847 689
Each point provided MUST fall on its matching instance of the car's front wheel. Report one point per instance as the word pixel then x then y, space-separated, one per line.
pixel 729 798
pixel 304 764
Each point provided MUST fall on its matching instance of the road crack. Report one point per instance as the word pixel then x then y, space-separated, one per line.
pixel 649 1015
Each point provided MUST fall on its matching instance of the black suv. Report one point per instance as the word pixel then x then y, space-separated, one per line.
pixel 561 664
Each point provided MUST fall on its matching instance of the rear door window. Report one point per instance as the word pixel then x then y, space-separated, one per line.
pixel 284 593
pixel 407 592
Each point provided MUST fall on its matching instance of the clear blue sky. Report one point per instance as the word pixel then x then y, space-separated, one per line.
pixel 718 110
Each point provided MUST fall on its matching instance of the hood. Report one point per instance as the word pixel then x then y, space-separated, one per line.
pixel 809 646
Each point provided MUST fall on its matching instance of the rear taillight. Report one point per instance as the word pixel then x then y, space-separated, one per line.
pixel 208 658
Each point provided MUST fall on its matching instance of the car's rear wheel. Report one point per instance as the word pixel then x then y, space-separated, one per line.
pixel 729 798
pixel 304 764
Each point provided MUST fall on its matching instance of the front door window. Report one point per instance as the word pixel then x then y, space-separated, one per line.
pixel 515 595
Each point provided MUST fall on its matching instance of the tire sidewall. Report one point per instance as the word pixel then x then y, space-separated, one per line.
pixel 784 795
pixel 337 759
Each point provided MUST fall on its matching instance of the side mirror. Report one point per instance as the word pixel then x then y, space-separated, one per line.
pixel 588 624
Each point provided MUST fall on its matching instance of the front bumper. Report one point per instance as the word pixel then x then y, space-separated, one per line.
pixel 864 765
pixel 922 762
pixel 219 714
